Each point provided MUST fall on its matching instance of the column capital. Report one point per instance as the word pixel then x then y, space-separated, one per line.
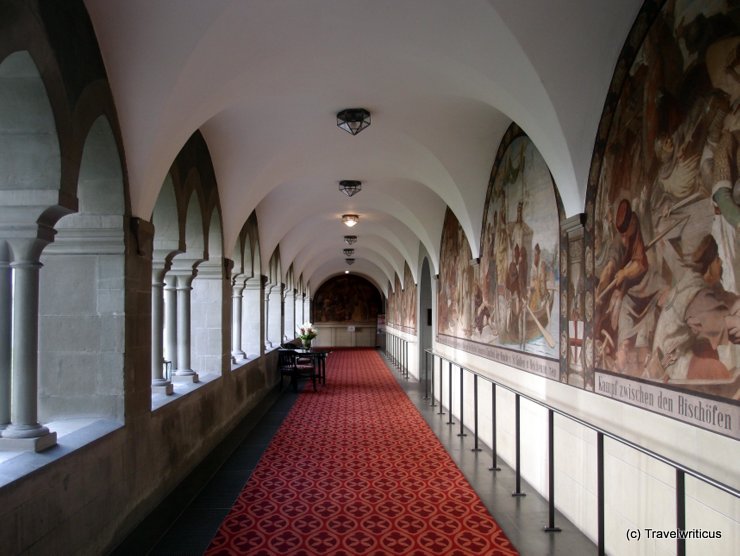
pixel 185 281
pixel 253 283
pixel 26 249
pixel 210 270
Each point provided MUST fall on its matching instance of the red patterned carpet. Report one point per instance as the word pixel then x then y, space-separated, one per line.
pixel 354 469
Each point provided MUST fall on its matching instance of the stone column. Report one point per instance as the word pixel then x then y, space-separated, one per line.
pixel 266 318
pixel 24 425
pixel 184 373
pixel 274 317
pixel 253 336
pixel 237 289
pixel 160 384
pixel 170 319
pixel 289 330
pixel 6 324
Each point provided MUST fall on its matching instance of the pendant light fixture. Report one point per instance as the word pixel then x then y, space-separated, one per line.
pixel 350 219
pixel 350 187
pixel 353 120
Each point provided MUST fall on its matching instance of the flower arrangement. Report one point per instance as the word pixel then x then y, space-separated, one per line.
pixel 306 333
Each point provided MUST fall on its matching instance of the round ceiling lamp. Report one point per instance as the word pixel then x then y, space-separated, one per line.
pixel 349 261
pixel 350 187
pixel 350 219
pixel 349 240
pixel 348 252
pixel 353 120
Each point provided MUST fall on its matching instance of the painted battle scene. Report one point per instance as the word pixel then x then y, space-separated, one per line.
pixel 346 298
pixel 401 309
pixel 667 213
pixel 511 297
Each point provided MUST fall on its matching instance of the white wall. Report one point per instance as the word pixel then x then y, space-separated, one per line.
pixel 639 491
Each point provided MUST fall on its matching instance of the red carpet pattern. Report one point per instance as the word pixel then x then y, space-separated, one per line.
pixel 355 470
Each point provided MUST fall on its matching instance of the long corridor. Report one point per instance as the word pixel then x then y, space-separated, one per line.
pixel 187 526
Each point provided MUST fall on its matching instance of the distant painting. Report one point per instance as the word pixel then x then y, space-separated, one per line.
pixel 510 299
pixel 346 298
pixel 457 276
pixel 401 309
pixel 667 214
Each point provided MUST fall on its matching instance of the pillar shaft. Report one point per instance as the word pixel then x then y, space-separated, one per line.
pixel 184 288
pixel 253 327
pixel 268 343
pixel 6 327
pixel 159 380
pixel 274 316
pixel 237 354
pixel 170 319
pixel 24 397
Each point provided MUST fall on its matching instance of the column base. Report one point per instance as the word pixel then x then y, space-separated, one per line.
pixel 165 389
pixel 237 356
pixel 37 444
pixel 191 377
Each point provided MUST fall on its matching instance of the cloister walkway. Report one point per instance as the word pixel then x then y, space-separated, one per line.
pixel 363 402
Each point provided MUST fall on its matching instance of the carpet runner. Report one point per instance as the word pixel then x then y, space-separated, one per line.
pixel 355 470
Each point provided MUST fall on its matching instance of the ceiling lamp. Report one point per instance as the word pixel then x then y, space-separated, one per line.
pixel 350 187
pixel 350 219
pixel 348 252
pixel 349 240
pixel 353 120
pixel 349 261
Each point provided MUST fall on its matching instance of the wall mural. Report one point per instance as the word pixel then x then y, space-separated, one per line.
pixel 506 306
pixel 401 307
pixel 666 212
pixel 346 298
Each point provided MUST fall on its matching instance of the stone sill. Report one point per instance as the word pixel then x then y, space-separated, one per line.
pixel 72 434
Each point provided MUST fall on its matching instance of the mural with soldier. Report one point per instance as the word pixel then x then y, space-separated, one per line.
pixel 401 305
pixel 667 208
pixel 510 298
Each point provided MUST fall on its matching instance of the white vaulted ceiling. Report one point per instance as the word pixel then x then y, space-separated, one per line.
pixel 263 81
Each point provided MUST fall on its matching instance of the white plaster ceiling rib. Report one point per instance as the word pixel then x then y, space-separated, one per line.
pixel 573 47
pixel 317 254
pixel 337 261
pixel 327 271
pixel 374 230
pixel 293 248
pixel 301 206
pixel 319 155
pixel 263 80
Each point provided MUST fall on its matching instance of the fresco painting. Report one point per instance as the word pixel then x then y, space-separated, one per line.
pixel 346 298
pixel 510 298
pixel 401 309
pixel 666 308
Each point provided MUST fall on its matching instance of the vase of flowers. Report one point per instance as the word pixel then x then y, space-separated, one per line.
pixel 306 334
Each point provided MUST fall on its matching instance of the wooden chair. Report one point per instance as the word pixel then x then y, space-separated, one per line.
pixel 306 367
pixel 286 365
pixel 290 364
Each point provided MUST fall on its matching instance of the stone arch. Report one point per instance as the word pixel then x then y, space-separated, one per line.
pixel 81 348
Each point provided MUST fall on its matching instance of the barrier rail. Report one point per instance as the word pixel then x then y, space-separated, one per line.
pixel 400 346
pixel 397 350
